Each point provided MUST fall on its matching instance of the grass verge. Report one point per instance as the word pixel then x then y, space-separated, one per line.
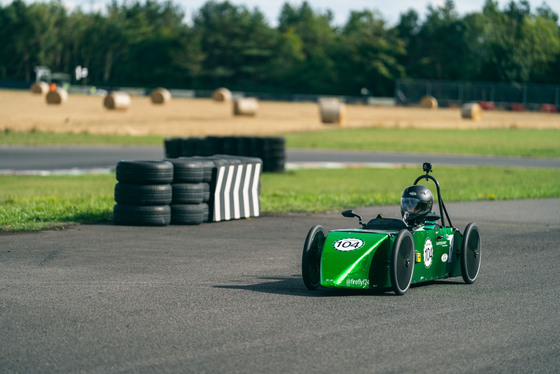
pixel 30 203
pixel 9 137
pixel 491 142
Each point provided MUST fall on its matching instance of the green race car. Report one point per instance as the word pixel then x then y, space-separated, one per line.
pixel 388 253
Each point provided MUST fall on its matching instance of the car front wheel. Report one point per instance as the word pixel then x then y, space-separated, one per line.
pixel 470 253
pixel 402 262
pixel 311 257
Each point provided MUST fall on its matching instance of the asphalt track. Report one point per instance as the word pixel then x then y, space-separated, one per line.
pixel 16 159
pixel 228 298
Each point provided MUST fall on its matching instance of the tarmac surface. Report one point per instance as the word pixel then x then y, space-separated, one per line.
pixel 228 297
pixel 41 159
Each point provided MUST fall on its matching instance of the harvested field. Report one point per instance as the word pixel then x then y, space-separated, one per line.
pixel 23 111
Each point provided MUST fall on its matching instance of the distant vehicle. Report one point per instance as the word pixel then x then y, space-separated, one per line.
pixel 44 74
pixel 389 253
pixel 61 80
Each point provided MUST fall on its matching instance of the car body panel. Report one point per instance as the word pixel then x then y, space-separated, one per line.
pixel 360 258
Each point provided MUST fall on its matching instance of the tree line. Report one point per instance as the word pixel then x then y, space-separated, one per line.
pixel 153 44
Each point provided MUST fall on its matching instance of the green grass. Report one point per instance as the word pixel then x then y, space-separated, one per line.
pixel 324 190
pixel 8 137
pixel 492 142
pixel 30 203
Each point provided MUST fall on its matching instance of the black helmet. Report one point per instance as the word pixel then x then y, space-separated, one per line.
pixel 416 202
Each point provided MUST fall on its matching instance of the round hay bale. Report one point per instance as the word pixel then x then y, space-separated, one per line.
pixel 332 111
pixel 40 88
pixel 221 94
pixel 471 111
pixel 117 100
pixel 246 106
pixel 429 102
pixel 57 96
pixel 160 96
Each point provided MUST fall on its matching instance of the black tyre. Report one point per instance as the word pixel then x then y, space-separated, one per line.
pixel 138 194
pixel 205 192
pixel 274 165
pixel 208 168
pixel 311 257
pixel 205 212
pixel 187 214
pixel 213 145
pixel 141 215
pixel 188 147
pixel 402 262
pixel 188 193
pixel 144 172
pixel 470 253
pixel 187 170
pixel 172 147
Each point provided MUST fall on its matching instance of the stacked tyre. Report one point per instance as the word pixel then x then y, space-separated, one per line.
pixel 273 155
pixel 143 193
pixel 271 150
pixel 190 190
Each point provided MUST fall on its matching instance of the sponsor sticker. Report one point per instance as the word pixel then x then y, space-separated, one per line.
pixel 357 282
pixel 450 238
pixel 428 253
pixel 348 244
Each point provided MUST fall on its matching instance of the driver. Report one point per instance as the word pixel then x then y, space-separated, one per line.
pixel 416 203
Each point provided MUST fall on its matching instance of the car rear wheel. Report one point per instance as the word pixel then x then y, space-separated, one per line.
pixel 402 262
pixel 470 253
pixel 311 257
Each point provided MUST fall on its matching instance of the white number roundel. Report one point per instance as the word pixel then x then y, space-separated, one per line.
pixel 348 244
pixel 428 253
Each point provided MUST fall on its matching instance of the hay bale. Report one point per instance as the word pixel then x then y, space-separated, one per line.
pixel 160 96
pixel 57 96
pixel 429 102
pixel 40 88
pixel 332 111
pixel 471 111
pixel 221 95
pixel 246 106
pixel 118 100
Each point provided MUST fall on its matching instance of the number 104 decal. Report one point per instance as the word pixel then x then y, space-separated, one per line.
pixel 428 253
pixel 348 244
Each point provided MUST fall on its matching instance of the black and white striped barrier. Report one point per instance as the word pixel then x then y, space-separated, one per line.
pixel 236 187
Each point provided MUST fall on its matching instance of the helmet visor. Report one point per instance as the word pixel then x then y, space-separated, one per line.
pixel 414 205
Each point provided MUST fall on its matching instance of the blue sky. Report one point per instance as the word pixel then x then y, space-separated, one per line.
pixel 341 8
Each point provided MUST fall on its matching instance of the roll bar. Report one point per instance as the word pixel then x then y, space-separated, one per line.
pixel 427 167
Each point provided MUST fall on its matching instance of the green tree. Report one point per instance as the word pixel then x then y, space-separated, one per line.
pixel 519 46
pixel 443 44
pixel 285 64
pixel 314 70
pixel 30 37
pixel 367 55
pixel 236 45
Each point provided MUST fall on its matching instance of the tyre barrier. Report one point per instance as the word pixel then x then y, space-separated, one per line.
pixel 145 172
pixel 271 150
pixel 143 193
pixel 187 190
pixel 142 215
